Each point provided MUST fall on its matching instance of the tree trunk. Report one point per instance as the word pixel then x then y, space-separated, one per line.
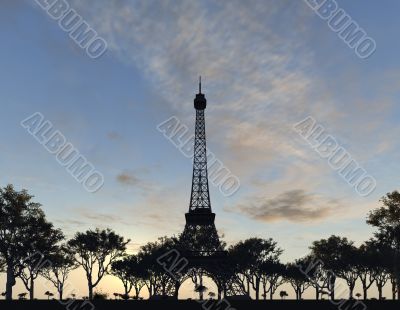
pixel 393 289
pixel 316 292
pixel 31 289
pixel 90 285
pixel 10 282
pixel 332 281
pixel 60 291
pixel 219 293
pixel 396 268
pixel 351 291
pixel 365 292
pixel 177 286
pixel 379 292
pixel 201 292
pixel 137 292
pixel 257 289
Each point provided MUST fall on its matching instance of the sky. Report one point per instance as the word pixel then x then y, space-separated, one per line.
pixel 265 65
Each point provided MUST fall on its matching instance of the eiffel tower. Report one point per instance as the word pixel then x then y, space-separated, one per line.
pixel 200 239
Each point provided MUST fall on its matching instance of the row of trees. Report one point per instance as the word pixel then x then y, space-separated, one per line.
pixel 30 247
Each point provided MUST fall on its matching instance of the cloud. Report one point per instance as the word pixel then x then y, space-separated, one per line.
pixel 134 180
pixel 294 206
pixel 101 217
pixel 113 135
pixel 128 178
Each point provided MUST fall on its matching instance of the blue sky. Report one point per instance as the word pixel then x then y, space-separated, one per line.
pixel 265 65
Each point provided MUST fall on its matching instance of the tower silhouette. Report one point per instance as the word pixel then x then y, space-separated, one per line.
pixel 200 239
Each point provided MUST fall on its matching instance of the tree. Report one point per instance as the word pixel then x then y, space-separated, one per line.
pixel 283 294
pixel 387 220
pixel 49 294
pixel 358 295
pixel 157 280
pixel 366 262
pixel 272 277
pixel 128 271
pixel 297 279
pixel 19 217
pixel 201 289
pixel 43 239
pixel 95 251
pixel 330 253
pixel 62 263
pixel 381 255
pixel 348 259
pixel 316 272
pixel 249 257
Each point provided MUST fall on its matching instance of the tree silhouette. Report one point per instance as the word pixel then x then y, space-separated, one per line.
pixel 365 266
pixel 49 294
pixel 387 220
pixel 22 296
pixel 297 279
pixel 381 263
pixel 201 289
pixel 128 271
pixel 272 276
pixel 96 251
pixel 283 294
pixel 157 280
pixel 317 273
pixel 330 251
pixel 62 263
pixel 249 257
pixel 346 266
pixel 19 220
pixel 43 240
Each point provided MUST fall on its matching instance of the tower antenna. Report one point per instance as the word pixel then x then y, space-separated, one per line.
pixel 200 84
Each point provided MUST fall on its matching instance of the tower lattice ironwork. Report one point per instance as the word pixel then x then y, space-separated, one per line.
pixel 200 237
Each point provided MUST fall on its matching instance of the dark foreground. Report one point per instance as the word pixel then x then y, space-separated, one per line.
pixel 210 305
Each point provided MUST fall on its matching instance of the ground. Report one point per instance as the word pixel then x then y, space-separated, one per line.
pixel 186 305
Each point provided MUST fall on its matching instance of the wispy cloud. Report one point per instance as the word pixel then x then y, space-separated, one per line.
pixel 294 205
pixel 134 180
